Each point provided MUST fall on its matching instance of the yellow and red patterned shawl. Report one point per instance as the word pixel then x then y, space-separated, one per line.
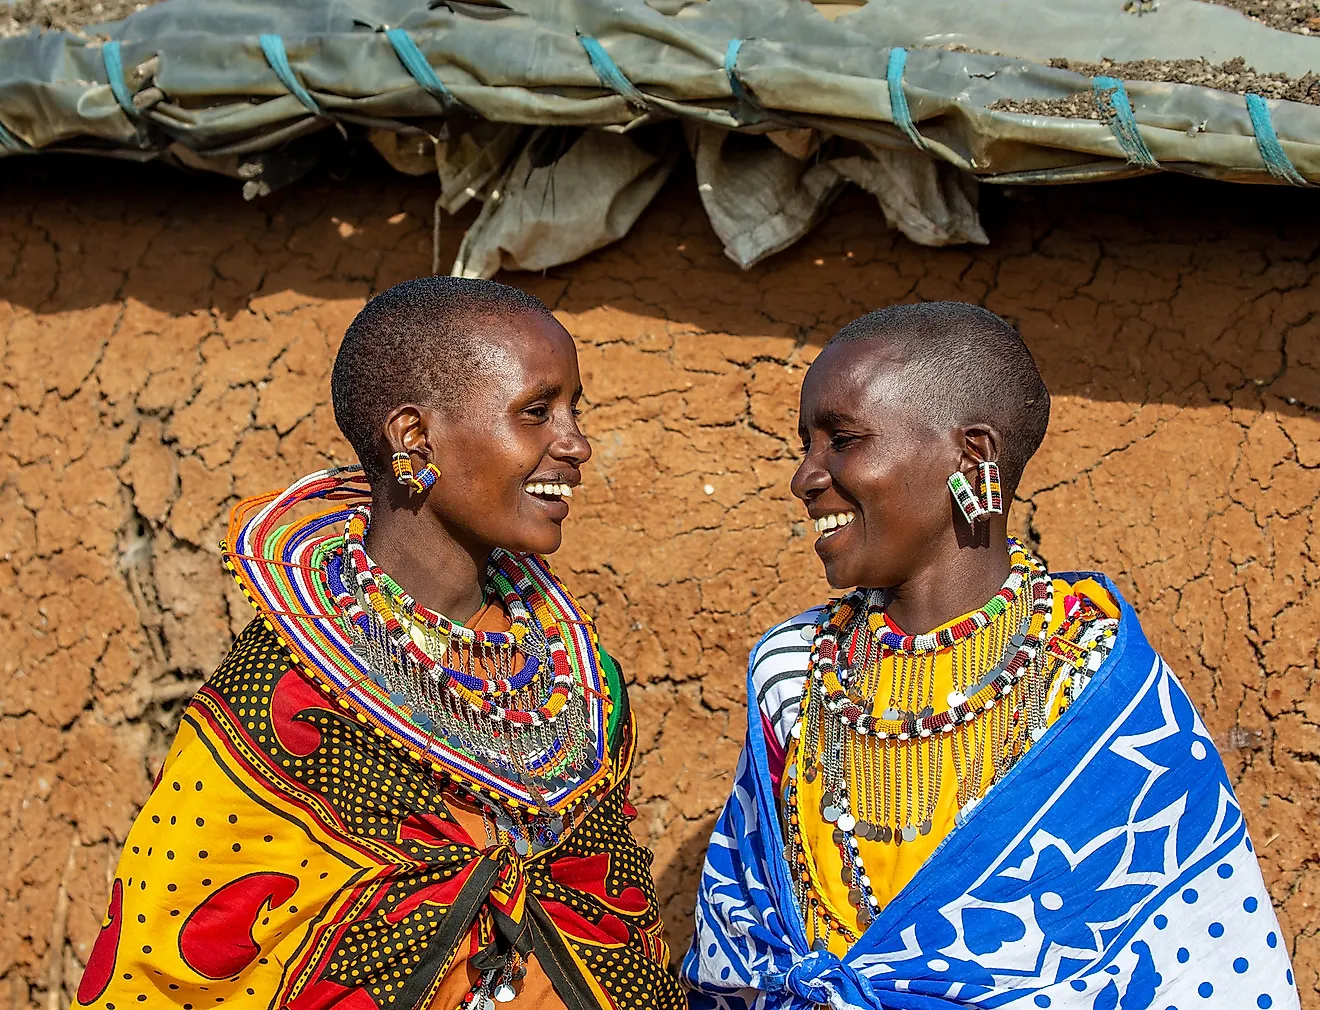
pixel 294 855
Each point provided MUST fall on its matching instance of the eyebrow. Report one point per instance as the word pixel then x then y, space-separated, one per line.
pixel 833 419
pixel 542 390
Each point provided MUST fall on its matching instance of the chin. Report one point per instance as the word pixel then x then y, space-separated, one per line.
pixel 840 575
pixel 538 542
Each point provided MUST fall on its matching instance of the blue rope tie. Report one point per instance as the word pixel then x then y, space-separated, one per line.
pixel 609 73
pixel 898 106
pixel 273 48
pixel 416 64
pixel 11 143
pixel 114 75
pixel 1267 142
pixel 736 86
pixel 1111 98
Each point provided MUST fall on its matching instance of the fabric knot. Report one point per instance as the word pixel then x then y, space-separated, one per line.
pixel 810 978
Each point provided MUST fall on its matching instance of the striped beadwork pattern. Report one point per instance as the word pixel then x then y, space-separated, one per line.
pixel 965 497
pixel 993 493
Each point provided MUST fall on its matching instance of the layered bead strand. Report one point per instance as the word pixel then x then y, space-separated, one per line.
pixel 882 771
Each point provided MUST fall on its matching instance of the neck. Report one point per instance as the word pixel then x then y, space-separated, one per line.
pixel 417 552
pixel 961 576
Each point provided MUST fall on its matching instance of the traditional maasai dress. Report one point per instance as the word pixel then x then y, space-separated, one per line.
pixel 309 845
pixel 1105 866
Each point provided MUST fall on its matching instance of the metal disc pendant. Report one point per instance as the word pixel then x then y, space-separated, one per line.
pixel 925 827
pixel 909 833
pixel 926 713
pixel 483 1003
pixel 522 846
pixel 504 993
pixel 811 773
pixel 819 944
pixel 845 875
pixel 854 896
pixel 863 830
pixel 792 773
pixel 830 812
pixel 891 715
pixel 886 833
pixel 838 836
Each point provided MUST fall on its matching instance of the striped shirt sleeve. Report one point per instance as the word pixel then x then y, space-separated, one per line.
pixel 779 673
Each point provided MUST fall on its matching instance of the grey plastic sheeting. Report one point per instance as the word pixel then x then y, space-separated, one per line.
pixel 523 62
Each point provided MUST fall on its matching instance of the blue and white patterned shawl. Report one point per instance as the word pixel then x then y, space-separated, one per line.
pixel 1109 870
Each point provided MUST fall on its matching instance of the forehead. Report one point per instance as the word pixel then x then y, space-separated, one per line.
pixel 521 343
pixel 853 379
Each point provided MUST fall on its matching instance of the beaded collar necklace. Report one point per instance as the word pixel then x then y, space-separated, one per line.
pixel 963 707
pixel 837 728
pixel 511 721
pixel 285 549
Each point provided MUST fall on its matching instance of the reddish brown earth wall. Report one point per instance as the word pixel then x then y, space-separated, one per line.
pixel 165 349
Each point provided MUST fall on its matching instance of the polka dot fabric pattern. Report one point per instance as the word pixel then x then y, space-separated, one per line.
pixel 1110 869
pixel 289 856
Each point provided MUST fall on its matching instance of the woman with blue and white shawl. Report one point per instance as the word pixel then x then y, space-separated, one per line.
pixel 977 785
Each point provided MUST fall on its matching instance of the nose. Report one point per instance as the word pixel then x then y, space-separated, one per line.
pixel 571 446
pixel 810 480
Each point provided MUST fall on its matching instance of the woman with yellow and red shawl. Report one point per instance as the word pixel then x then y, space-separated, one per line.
pixel 406 785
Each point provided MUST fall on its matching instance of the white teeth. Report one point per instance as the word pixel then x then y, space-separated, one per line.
pixel 552 490
pixel 827 524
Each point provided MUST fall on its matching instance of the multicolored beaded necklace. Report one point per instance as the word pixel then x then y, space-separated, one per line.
pixel 519 722
pixel 882 771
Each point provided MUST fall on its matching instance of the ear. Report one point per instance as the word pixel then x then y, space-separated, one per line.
pixel 980 444
pixel 414 429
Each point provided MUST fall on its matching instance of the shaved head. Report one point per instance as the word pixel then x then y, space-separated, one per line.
pixel 418 342
pixel 960 364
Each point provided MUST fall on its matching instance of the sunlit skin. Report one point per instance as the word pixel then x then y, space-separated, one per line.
pixel 515 424
pixel 866 450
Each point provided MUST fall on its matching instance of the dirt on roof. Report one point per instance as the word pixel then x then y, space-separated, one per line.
pixel 1299 16
pixel 1232 76
pixel 64 15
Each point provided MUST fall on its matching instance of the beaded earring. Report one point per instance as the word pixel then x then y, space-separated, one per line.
pixel 416 483
pixel 965 497
pixel 994 495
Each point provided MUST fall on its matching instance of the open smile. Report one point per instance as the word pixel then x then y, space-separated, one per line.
pixel 828 526
pixel 550 497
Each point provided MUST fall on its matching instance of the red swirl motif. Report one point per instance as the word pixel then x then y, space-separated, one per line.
pixel 293 696
pixel 101 963
pixel 216 940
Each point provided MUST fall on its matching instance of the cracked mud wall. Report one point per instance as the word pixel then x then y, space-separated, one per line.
pixel 166 348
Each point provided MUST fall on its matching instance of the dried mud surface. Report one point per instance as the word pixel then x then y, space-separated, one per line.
pixel 1233 76
pixel 165 347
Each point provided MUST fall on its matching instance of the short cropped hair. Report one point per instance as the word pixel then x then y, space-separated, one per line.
pixel 962 364
pixel 416 342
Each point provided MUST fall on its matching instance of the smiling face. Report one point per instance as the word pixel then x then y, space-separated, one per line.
pixel 870 455
pixel 508 448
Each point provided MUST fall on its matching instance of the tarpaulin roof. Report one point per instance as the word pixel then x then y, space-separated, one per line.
pixel 910 98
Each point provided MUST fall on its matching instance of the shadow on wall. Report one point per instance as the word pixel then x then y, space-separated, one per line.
pixel 677 886
pixel 1215 281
